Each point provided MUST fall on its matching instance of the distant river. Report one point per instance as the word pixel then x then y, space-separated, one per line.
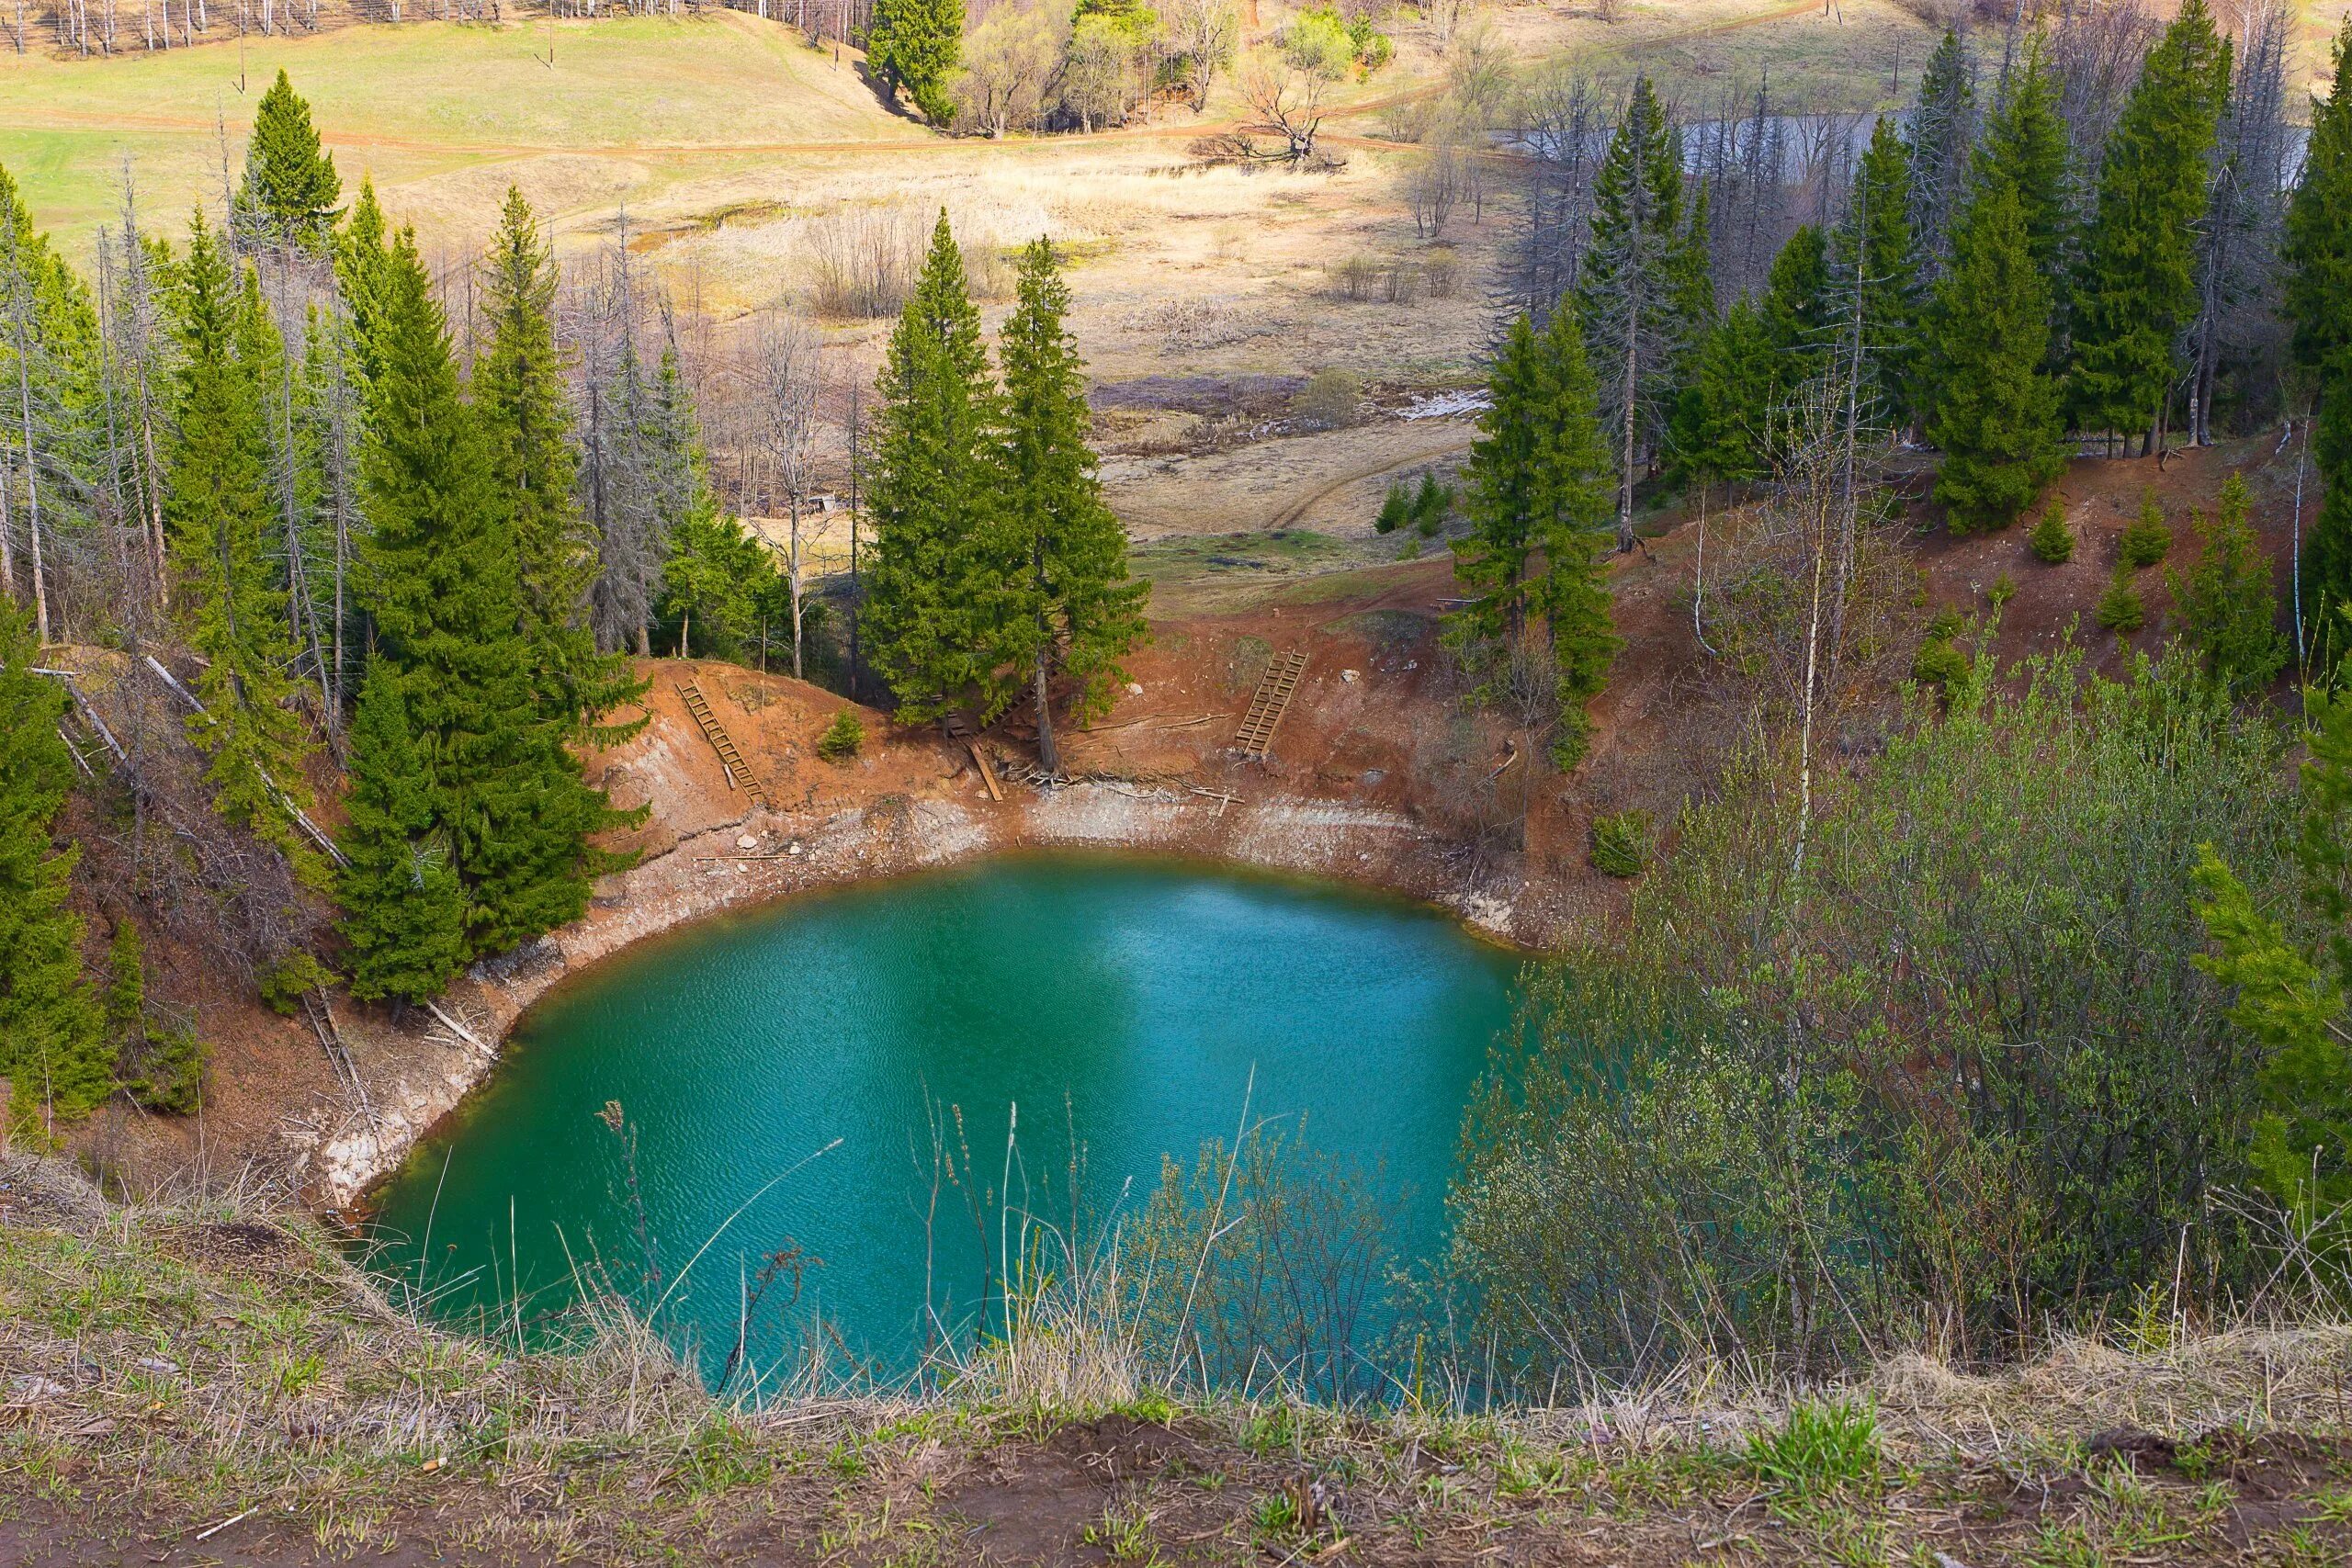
pixel 1128 1000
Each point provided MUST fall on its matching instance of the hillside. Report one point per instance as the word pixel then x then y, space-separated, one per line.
pixel 584 115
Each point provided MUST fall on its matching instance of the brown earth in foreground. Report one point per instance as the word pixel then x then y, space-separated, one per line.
pixel 217 1384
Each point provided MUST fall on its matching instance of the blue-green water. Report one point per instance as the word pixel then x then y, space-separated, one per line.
pixel 1136 1002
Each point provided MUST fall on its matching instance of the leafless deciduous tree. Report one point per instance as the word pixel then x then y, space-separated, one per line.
pixel 781 370
pixel 1201 34
pixel 2237 332
pixel 862 260
pixel 1563 125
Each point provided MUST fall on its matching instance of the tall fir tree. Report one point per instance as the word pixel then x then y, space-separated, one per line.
pixel 1996 412
pixel 1723 415
pixel 53 388
pixel 404 920
pixel 1080 611
pixel 219 513
pixel 52 1041
pixel 1538 477
pixel 2318 301
pixel 525 417
pixel 289 190
pixel 1799 315
pixel 1632 296
pixel 1877 268
pixel 1941 133
pixel 446 600
pixel 362 275
pixel 940 600
pixel 2137 289
pixel 915 46
pixel 2025 146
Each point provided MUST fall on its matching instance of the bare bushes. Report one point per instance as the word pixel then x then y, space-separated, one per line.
pixel 1361 278
pixel 862 260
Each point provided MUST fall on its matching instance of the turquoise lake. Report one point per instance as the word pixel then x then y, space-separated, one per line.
pixel 1131 1003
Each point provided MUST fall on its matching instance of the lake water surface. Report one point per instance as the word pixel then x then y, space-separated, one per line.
pixel 1133 1001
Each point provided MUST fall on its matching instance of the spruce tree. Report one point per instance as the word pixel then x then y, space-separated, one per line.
pixel 219 511
pixel 447 598
pixel 288 193
pixel 942 594
pixel 2318 301
pixel 2227 602
pixel 525 418
pixel 2137 290
pixel 914 46
pixel 1995 413
pixel 1632 296
pixel 2025 146
pixel 1877 258
pixel 1079 612
pixel 1724 416
pixel 52 1041
pixel 362 265
pixel 1538 501
pixel 1941 133
pixel 1799 316
pixel 405 918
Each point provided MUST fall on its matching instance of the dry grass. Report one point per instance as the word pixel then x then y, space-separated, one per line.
pixel 200 1360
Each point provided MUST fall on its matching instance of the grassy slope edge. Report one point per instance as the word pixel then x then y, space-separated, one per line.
pixel 166 1368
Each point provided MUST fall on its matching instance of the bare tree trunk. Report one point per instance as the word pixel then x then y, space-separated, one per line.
pixel 792 564
pixel 18 285
pixel 1633 418
pixel 1049 755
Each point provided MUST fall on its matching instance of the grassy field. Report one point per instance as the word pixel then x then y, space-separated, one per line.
pixel 587 112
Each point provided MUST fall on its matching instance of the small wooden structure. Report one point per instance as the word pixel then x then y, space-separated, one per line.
pixel 1270 702
pixel 739 772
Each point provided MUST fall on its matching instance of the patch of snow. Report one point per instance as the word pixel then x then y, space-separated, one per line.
pixel 1447 405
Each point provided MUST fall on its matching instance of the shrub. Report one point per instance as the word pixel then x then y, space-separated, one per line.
pixel 2228 600
pixel 2119 610
pixel 843 737
pixel 2004 589
pixel 284 983
pixel 1939 664
pixel 1396 509
pixel 2052 541
pixel 2146 540
pixel 1432 502
pixel 1621 843
pixel 1440 273
pixel 1353 278
pixel 1744 1066
pixel 1331 399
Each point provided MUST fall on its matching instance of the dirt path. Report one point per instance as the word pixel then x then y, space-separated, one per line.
pixel 1298 508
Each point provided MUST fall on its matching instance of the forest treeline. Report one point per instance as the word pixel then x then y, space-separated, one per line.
pixel 2111 241
pixel 346 547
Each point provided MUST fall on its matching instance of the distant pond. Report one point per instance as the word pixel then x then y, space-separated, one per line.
pixel 1132 1001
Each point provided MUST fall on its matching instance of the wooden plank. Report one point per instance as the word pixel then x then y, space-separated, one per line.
pixel 987 777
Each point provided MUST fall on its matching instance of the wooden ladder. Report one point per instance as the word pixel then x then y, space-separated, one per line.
pixel 1271 701
pixel 739 772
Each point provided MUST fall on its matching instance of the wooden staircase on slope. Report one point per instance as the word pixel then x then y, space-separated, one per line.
pixel 739 772
pixel 1270 703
